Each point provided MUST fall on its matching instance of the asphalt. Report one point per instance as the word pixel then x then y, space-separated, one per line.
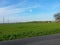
pixel 40 40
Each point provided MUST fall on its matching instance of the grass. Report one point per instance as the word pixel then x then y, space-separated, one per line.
pixel 25 30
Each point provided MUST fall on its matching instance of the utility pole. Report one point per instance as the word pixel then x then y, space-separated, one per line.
pixel 3 19
pixel 8 20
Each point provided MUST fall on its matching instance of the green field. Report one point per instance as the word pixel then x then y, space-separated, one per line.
pixel 25 30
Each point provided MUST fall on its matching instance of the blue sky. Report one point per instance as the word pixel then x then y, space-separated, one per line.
pixel 28 10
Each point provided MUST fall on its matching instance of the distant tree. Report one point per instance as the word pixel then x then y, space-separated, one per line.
pixel 57 17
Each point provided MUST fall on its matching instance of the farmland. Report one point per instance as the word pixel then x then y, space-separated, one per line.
pixel 26 30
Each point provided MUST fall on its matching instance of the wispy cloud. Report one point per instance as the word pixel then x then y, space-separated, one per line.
pixel 18 8
pixel 5 11
pixel 23 7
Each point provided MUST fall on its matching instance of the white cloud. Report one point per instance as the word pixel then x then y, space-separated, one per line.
pixel 19 8
pixel 7 11
pixel 13 9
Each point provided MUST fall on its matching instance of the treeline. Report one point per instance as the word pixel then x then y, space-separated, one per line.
pixel 40 21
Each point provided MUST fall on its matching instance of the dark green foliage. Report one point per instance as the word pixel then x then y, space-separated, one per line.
pixel 57 17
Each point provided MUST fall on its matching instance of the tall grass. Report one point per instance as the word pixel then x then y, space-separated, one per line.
pixel 25 30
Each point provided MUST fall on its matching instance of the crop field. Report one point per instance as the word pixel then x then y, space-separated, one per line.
pixel 26 30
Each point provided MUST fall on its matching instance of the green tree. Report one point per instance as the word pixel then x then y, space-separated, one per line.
pixel 57 17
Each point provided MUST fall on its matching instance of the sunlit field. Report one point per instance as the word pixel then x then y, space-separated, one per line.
pixel 26 30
